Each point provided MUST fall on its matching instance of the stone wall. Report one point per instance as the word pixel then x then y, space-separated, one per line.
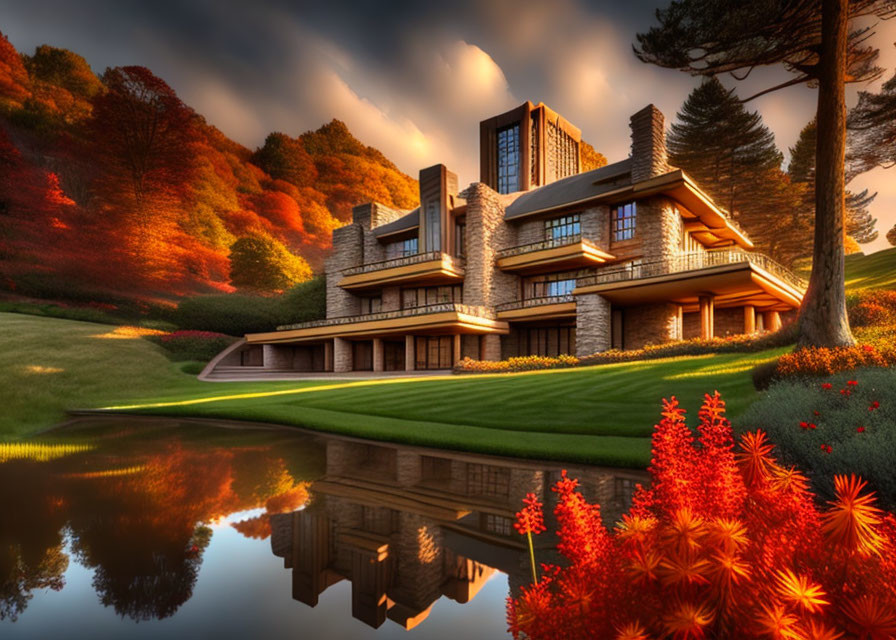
pixel 469 346
pixel 592 324
pixel 651 324
pixel 347 252
pixel 277 356
pixel 728 322
pixel 648 144
pixel 691 325
pixel 484 283
pixel 391 298
pixel 659 228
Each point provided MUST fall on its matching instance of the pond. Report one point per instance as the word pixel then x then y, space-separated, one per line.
pixel 114 527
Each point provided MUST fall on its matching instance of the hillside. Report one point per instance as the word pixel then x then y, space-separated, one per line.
pixel 94 208
pixel 872 271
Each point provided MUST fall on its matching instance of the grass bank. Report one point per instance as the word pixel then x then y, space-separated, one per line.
pixel 601 414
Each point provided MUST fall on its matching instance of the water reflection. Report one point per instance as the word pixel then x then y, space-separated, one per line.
pixel 137 504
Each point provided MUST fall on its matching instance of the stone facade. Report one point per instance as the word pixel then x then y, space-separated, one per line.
pixel 651 324
pixel 649 157
pixel 592 324
pixel 485 285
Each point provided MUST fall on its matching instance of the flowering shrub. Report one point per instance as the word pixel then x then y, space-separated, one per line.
pixel 824 361
pixel 854 420
pixel 870 307
pixel 522 363
pixel 724 544
pixel 194 345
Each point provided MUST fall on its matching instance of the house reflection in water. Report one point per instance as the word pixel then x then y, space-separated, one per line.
pixel 407 526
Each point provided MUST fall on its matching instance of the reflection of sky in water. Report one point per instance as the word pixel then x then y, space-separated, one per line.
pixel 243 591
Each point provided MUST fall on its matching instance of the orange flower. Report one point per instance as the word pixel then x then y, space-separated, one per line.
pixel 755 459
pixel 687 621
pixel 644 566
pixel 728 570
pixel 726 534
pixel 635 527
pixel 777 623
pixel 818 631
pixel 684 570
pixel 871 618
pixel 852 521
pixel 684 531
pixel 800 591
pixel 530 518
pixel 632 631
pixel 790 480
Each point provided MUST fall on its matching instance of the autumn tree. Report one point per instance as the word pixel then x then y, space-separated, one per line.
pixel 813 41
pixel 591 157
pixel 142 134
pixel 259 263
pixel 285 158
pixel 860 225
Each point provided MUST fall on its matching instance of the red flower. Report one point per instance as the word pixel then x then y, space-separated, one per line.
pixel 868 348
pixel 804 425
pixel 530 519
pixel 874 405
pixel 852 383
pixel 846 391
pixel 861 429
pixel 817 413
pixel 826 448
pixel 826 385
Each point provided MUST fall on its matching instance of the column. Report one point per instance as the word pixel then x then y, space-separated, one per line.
pixel 328 356
pixel 592 324
pixel 276 356
pixel 707 321
pixel 772 320
pixel 378 360
pixel 749 319
pixel 490 347
pixel 342 355
pixel 409 354
pixel 456 354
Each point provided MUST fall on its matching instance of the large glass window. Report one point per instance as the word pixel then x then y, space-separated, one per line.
pixel 408 247
pixel 460 239
pixel 509 159
pixel 433 226
pixel 547 341
pixel 488 480
pixel 433 352
pixel 623 222
pixel 373 304
pixel 550 284
pixel 564 228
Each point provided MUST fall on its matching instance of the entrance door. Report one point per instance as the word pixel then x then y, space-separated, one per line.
pixel 434 352
pixel 362 356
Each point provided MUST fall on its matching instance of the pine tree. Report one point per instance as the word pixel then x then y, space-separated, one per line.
pixel 732 155
pixel 891 236
pixel 860 225
pixel 872 129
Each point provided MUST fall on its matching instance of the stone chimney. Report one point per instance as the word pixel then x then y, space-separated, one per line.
pixel 648 144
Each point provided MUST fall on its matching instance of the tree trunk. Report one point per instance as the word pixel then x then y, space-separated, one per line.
pixel 823 321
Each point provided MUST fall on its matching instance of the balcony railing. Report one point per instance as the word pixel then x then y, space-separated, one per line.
pixel 535 302
pixel 550 243
pixel 441 307
pixel 690 262
pixel 417 258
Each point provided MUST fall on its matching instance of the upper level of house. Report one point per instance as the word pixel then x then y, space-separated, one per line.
pixel 534 228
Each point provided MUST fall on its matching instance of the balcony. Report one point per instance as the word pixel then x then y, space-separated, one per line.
pixel 538 308
pixel 446 317
pixel 433 267
pixel 554 254
pixel 746 277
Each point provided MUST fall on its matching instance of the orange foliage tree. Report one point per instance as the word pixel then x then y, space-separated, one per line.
pixel 724 544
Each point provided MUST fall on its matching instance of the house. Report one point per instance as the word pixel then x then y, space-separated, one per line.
pixel 408 526
pixel 537 257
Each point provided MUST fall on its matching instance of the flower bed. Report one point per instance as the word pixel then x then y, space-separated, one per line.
pixel 522 363
pixel 724 544
pixel 823 361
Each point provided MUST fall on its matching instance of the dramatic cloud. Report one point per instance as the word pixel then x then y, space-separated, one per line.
pixel 412 79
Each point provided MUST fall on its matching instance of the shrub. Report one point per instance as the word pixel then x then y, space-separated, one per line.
pixel 521 363
pixel 193 368
pixel 824 361
pixel 801 416
pixel 723 545
pixel 260 263
pixel 83 314
pixel 193 345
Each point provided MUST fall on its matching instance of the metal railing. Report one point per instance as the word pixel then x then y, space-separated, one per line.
pixel 417 258
pixel 690 262
pixel 535 302
pixel 550 243
pixel 441 307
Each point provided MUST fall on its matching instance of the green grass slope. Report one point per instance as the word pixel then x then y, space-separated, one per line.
pixel 872 271
pixel 599 414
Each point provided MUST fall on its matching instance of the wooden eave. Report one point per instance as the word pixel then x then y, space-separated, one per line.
pixel 571 256
pixel 439 271
pixel 539 312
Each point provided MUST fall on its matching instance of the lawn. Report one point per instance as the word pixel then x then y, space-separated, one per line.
pixel 601 414
pixel 873 271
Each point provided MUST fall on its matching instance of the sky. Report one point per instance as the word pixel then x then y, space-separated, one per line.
pixel 411 78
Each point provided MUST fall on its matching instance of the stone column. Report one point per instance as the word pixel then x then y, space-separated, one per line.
pixel 276 356
pixel 749 319
pixel 648 144
pixel 592 324
pixel 772 320
pixel 342 355
pixel 707 320
pixel 409 353
pixel 378 360
pixel 490 347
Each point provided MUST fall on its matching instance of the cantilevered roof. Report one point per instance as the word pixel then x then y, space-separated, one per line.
pixel 404 223
pixel 577 188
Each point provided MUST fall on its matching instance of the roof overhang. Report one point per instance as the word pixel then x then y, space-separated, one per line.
pixel 441 322
pixel 732 285
pixel 571 256
pixel 540 312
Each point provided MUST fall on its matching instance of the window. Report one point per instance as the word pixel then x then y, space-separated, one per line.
pixel 425 296
pixel 460 239
pixel 509 159
pixel 433 352
pixel 433 226
pixel 563 229
pixel 408 247
pixel 623 222
pixel 371 305
pixel 497 524
pixel 547 341
pixel 488 480
pixel 551 284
